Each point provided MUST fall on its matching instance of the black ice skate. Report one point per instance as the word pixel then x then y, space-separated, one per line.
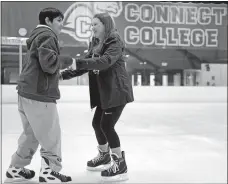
pixel 14 174
pixel 101 162
pixel 47 175
pixel 118 171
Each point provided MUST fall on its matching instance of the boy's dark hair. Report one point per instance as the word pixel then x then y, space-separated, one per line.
pixel 51 13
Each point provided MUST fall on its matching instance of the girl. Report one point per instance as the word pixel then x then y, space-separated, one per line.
pixel 110 90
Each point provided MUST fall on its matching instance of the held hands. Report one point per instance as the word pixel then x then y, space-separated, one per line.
pixel 67 74
pixel 69 71
pixel 73 66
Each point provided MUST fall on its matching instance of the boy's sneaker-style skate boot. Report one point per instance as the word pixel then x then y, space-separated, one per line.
pixel 47 175
pixel 15 174
pixel 101 162
pixel 118 171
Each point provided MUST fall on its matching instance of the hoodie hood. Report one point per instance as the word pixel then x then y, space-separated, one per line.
pixel 37 31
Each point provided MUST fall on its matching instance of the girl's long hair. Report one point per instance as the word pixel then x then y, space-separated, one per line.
pixel 109 25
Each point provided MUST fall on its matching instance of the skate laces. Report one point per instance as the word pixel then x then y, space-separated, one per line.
pixel 26 171
pixel 115 167
pixel 97 158
pixel 60 175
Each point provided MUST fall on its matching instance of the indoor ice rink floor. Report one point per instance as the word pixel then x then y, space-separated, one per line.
pixel 164 142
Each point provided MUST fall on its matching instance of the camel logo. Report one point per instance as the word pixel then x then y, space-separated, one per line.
pixel 78 17
pixel 113 8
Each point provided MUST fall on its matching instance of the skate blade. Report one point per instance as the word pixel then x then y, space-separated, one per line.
pixel 51 181
pixel 17 180
pixel 44 179
pixel 100 167
pixel 117 178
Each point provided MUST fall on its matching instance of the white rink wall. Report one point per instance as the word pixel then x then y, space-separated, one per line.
pixel 141 94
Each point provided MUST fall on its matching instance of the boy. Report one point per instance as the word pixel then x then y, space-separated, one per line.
pixel 37 94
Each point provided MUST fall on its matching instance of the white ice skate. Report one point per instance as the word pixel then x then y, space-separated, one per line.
pixel 18 175
pixel 47 175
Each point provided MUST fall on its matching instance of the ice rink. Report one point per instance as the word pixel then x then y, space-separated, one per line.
pixel 169 134
pixel 164 142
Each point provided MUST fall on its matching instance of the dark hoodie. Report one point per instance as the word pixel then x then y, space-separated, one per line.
pixel 39 78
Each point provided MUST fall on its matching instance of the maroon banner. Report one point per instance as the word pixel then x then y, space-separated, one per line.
pixel 141 24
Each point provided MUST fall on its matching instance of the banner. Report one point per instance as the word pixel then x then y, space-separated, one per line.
pixel 153 24
pixel 140 24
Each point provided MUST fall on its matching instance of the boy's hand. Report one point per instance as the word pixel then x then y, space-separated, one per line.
pixel 73 66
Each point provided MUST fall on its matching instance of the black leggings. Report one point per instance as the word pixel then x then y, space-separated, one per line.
pixel 103 123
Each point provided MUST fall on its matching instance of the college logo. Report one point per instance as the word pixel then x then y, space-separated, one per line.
pixel 78 17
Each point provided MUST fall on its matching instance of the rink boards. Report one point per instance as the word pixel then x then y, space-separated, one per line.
pixel 142 94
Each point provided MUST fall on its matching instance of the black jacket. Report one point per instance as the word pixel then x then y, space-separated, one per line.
pixel 39 78
pixel 111 87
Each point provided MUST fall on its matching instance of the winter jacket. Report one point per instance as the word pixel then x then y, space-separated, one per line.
pixel 39 78
pixel 111 87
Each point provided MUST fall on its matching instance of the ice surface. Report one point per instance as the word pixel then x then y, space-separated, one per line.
pixel 164 142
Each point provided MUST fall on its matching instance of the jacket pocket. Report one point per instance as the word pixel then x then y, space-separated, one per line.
pixel 42 84
pixel 121 80
pixel 118 80
pixel 53 83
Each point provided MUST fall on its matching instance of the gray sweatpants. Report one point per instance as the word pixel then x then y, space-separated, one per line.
pixel 40 122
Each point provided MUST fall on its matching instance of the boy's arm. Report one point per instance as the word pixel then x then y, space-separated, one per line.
pixel 49 57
